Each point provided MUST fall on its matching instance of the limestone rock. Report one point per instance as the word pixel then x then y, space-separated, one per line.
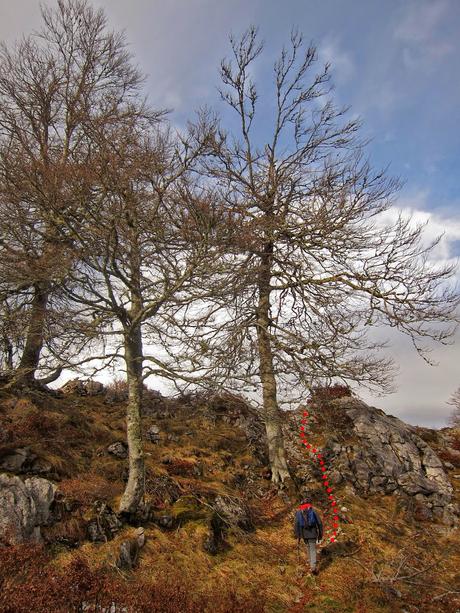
pixel 383 454
pixel 234 512
pixel 118 449
pixel 104 525
pixel 24 507
pixel 23 460
pixel 42 492
pixel 153 434
pixel 82 388
pixel 129 550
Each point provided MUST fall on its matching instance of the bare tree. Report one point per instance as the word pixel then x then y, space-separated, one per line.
pixel 315 263
pixel 64 335
pixel 108 225
pixel 58 88
pixel 142 245
pixel 454 400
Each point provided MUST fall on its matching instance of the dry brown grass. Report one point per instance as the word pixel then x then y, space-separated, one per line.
pixel 89 487
pixel 258 572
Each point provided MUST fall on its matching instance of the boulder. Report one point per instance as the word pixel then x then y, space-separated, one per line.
pixel 23 460
pixel 118 449
pixel 82 388
pixel 24 507
pixel 234 512
pixel 129 551
pixel 42 492
pixel 153 434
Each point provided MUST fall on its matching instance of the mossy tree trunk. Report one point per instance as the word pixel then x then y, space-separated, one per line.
pixel 35 336
pixel 275 440
pixel 134 490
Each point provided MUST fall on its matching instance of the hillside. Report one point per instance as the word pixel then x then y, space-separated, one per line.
pixel 218 533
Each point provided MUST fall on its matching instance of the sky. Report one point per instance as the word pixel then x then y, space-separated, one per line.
pixel 396 63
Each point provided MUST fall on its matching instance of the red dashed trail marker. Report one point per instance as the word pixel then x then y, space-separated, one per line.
pixel 333 526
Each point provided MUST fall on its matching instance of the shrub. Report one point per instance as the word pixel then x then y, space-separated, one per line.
pixel 29 582
pixel 328 393
pixel 116 391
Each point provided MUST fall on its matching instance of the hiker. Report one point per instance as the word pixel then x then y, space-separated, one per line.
pixel 308 526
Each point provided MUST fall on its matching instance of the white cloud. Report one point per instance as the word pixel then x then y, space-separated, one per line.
pixel 421 19
pixel 343 68
pixel 416 207
pixel 421 32
pixel 422 390
pixel 427 56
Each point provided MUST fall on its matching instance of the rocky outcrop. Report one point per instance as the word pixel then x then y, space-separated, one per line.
pixel 24 507
pixel 375 452
pixel 24 460
pixel 104 524
pixel 236 412
pixel 82 388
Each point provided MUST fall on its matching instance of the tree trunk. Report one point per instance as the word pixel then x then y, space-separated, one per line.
pixel 134 490
pixel 7 354
pixel 275 439
pixel 35 336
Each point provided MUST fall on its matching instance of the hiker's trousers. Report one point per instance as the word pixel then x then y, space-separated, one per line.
pixel 311 551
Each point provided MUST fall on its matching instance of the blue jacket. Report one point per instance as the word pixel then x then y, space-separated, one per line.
pixel 307 533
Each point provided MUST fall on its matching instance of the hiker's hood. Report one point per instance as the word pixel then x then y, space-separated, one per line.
pixel 304 506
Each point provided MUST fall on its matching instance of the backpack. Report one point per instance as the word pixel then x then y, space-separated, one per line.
pixel 307 519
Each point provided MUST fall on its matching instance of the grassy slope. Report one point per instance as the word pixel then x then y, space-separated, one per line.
pixel 73 433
